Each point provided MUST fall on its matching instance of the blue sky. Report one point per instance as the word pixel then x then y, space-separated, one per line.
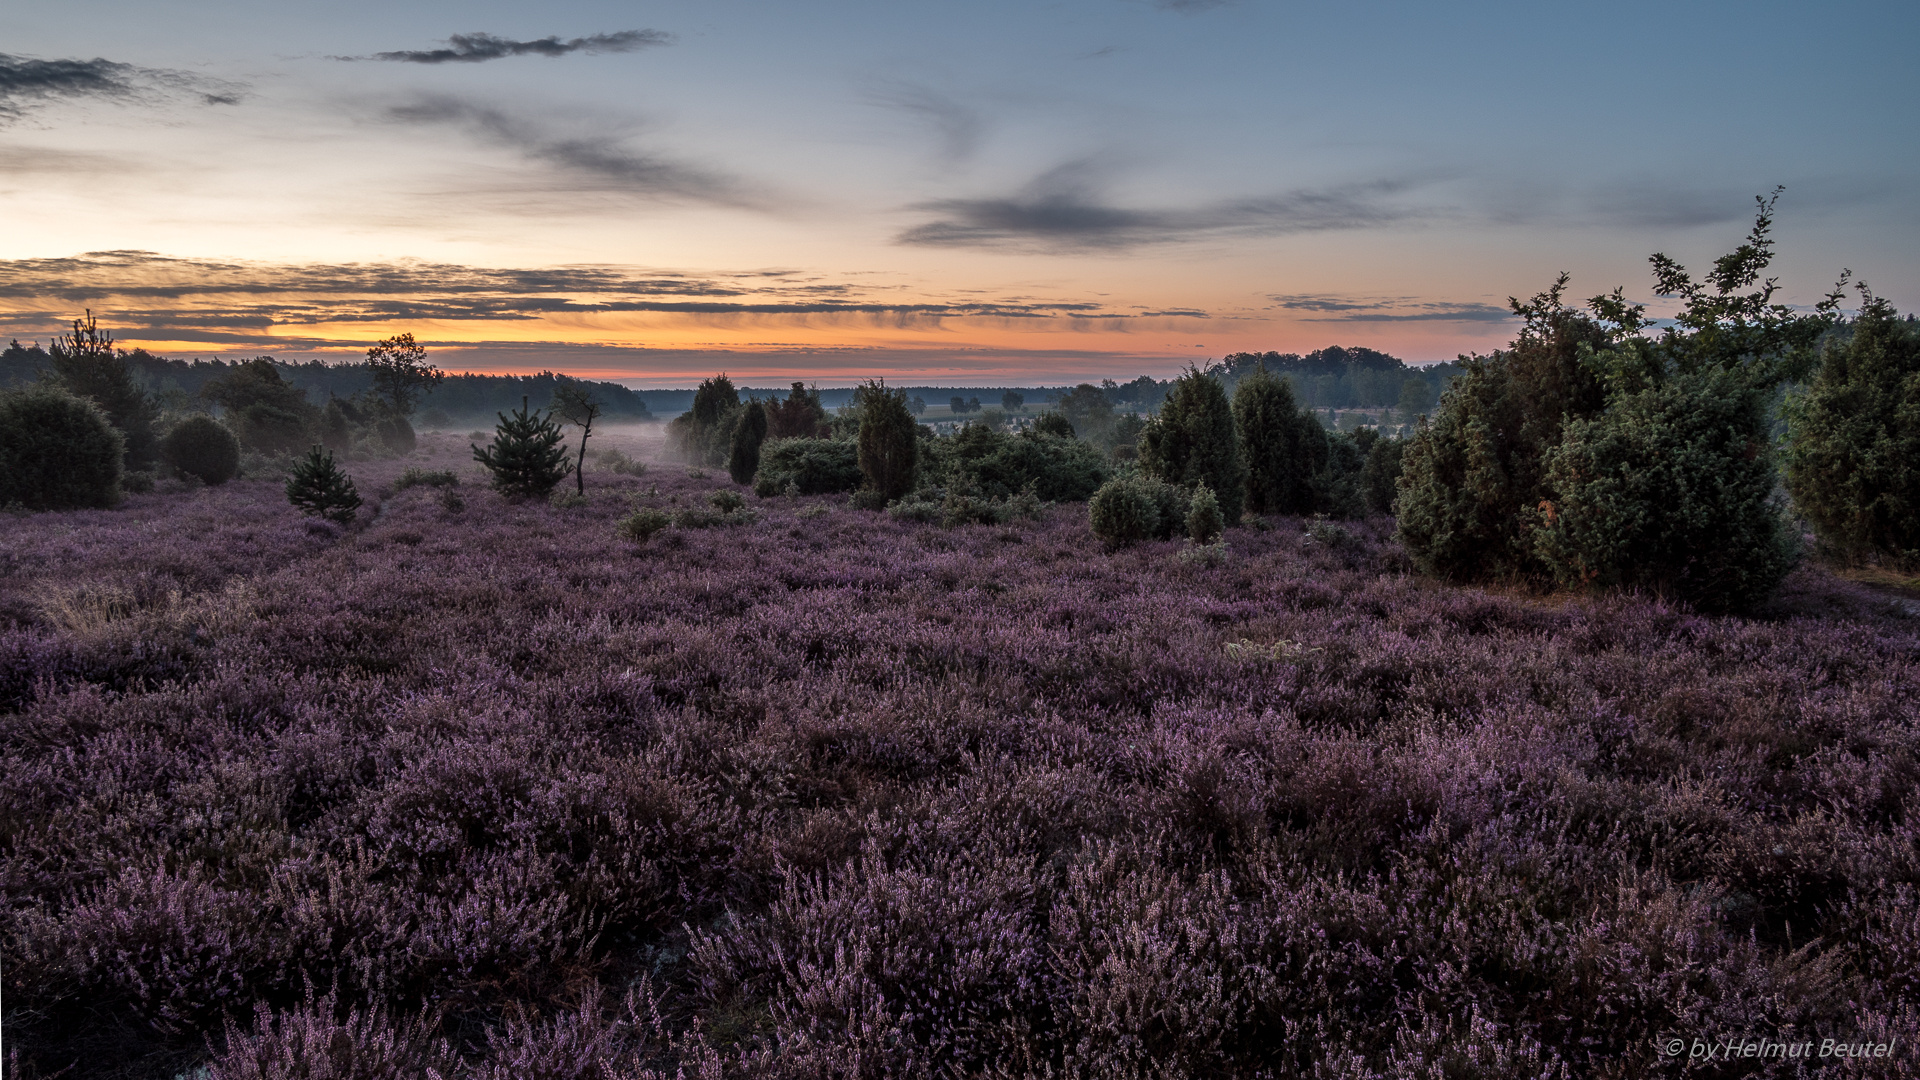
pixel 956 192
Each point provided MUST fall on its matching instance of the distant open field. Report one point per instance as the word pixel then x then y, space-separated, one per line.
pixel 490 791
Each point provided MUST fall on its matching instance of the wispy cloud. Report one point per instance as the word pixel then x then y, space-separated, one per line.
pixel 1063 210
pixel 479 47
pixel 591 160
pixel 957 126
pixel 26 83
pixel 1389 309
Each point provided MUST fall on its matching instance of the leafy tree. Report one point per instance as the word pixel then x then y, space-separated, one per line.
pixel 1192 442
pixel 580 408
pixel 1282 445
pixel 526 458
pixel 85 363
pixel 199 446
pixel 889 444
pixel 957 405
pixel 317 486
pixel 748 435
pixel 1086 407
pixel 401 374
pixel 917 405
pixel 1012 402
pixel 264 410
pixel 57 451
pixel 1853 449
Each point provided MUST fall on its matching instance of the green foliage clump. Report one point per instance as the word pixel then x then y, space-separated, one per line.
pixel 201 447
pixel 997 465
pixel 418 477
pixel 810 466
pixel 86 365
pixel 1054 424
pixel 1204 522
pixel 725 501
pixel 58 451
pixel 1853 448
pixel 395 434
pixel 1284 446
pixel 889 440
pixel 526 459
pixel 267 413
pixel 1669 490
pixel 1192 441
pixel 800 416
pixel 748 436
pixel 616 462
pixel 703 435
pixel 1380 476
pixel 1469 476
pixel 1132 508
pixel 317 486
pixel 640 525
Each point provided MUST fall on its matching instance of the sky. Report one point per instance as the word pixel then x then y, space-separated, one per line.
pixel 970 194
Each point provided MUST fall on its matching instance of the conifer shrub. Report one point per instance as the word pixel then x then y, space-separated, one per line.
pixel 1380 476
pixel 889 440
pixel 395 434
pixel 810 466
pixel 1283 445
pixel 748 436
pixel 1192 441
pixel 418 477
pixel 703 434
pixel 1052 423
pixel 725 501
pixel 201 447
pixel 999 465
pixel 1132 508
pixel 642 524
pixel 86 364
pixel 1669 491
pixel 336 425
pixel 800 416
pixel 526 459
pixel 1853 448
pixel 1204 521
pixel 1469 476
pixel 318 487
pixel 58 451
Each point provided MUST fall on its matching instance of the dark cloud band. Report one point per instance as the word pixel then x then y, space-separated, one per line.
pixel 479 47
pixel 26 82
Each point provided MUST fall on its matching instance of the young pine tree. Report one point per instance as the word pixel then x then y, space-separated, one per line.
pixel 526 459
pixel 317 486
pixel 86 364
pixel 1192 442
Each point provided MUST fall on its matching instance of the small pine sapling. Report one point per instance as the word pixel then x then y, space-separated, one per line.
pixel 526 459
pixel 317 486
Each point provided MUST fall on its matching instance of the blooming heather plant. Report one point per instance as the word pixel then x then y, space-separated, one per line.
pixel 848 794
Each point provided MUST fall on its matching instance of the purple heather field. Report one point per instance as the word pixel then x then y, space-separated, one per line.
pixel 491 792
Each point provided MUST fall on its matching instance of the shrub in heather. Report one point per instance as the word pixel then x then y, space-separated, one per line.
pixel 85 364
pixel 1853 448
pixel 57 451
pixel 889 441
pixel 1471 477
pixel 1204 520
pixel 418 477
pixel 1283 445
pixel 998 465
pixel 1380 476
pixel 201 447
pixel 526 458
pixel 1669 491
pixel 703 434
pixel 811 466
pixel 1192 441
pixel 800 416
pixel 265 412
pixel 394 434
pixel 642 524
pixel 1132 508
pixel 744 459
pixel 317 486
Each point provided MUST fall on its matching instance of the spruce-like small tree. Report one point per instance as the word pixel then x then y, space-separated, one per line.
pixel 1282 444
pixel 317 486
pixel 748 434
pixel 526 458
pixel 1853 449
pixel 1192 441
pixel 889 440
pixel 201 447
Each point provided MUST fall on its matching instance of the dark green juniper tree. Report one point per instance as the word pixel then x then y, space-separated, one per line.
pixel 526 459
pixel 1282 445
pixel 317 486
pixel 889 440
pixel 1192 442
pixel 748 435
pixel 1853 449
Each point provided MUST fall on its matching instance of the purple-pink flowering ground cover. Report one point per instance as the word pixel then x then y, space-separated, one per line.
pixel 492 792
